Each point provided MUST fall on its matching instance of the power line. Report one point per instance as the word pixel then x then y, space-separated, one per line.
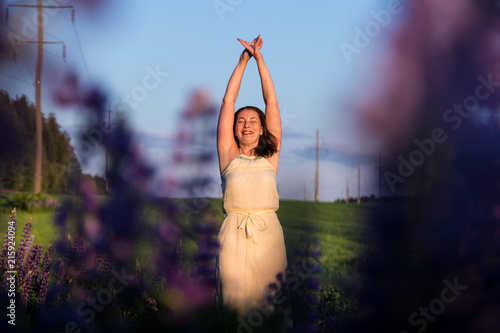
pixel 14 78
pixel 30 84
pixel 79 43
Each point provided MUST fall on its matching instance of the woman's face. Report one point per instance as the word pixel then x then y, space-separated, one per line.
pixel 248 128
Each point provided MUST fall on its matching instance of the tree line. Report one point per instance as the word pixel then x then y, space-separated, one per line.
pixel 61 170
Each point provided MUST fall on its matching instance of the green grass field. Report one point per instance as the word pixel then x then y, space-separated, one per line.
pixel 341 228
pixel 44 229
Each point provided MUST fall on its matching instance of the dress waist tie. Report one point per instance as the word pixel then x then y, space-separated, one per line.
pixel 251 220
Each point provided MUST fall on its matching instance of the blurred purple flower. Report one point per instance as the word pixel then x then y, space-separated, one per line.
pixel 30 273
pixel 44 285
pixel 93 229
pixel 316 253
pixel 139 277
pixel 190 295
pixel 21 250
pixel 103 263
pixel 312 299
pixel 175 263
pixel 312 283
pixel 89 192
pixel 150 302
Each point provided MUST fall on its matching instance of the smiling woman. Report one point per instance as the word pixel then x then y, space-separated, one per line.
pixel 252 248
pixel 250 123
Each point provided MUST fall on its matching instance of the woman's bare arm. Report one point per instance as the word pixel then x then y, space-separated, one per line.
pixel 227 148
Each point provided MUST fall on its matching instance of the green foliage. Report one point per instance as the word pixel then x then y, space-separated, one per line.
pixel 338 312
pixel 60 166
pixel 33 202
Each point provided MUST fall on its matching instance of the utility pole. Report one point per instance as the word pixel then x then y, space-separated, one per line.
pixel 38 102
pixel 346 192
pixel 359 184
pixel 38 87
pixel 316 180
pixel 305 192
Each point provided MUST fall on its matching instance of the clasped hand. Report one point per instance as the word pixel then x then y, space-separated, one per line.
pixel 252 49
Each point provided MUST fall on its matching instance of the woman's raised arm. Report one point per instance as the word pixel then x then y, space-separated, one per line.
pixel 273 118
pixel 227 148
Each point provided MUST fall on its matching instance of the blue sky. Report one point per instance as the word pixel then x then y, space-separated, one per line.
pixel 117 46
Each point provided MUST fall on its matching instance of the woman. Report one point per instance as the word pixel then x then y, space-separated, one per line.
pixel 252 248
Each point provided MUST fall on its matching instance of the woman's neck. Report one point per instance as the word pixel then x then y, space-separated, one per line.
pixel 248 151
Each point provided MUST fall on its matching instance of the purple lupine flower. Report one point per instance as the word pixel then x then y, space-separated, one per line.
pixel 207 250
pixel 105 264
pixel 312 299
pixel 61 270
pixel 179 251
pixel 80 248
pixel 90 196
pixel 102 263
pixel 190 294
pixel 156 282
pixel 44 285
pixel 313 283
pixel 25 290
pixel 21 250
pixel 28 247
pixel 316 253
pixel 149 301
pixel 176 262
pixel 139 280
pixel 175 265
pixel 35 263
pixel 32 262
pixel 30 271
pixel 77 253
pixel 60 279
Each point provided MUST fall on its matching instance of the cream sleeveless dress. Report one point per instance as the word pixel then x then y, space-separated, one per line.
pixel 252 248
